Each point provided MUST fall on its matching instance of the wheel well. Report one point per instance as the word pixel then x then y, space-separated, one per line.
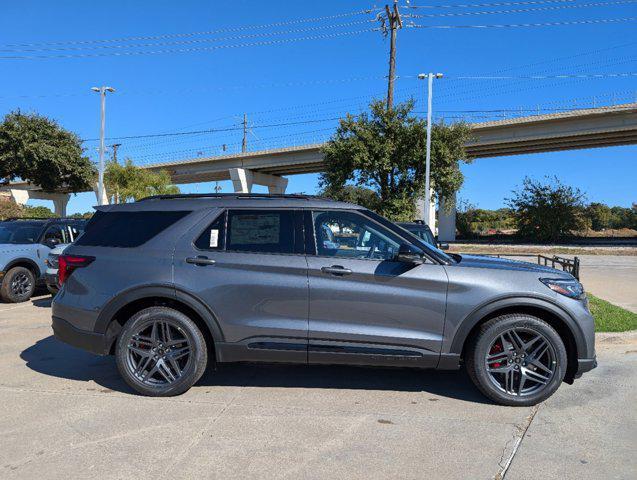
pixel 553 320
pixel 29 265
pixel 127 311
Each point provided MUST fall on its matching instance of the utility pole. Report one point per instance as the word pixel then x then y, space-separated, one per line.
pixel 430 81
pixel 100 178
pixel 115 146
pixel 395 22
pixel 244 144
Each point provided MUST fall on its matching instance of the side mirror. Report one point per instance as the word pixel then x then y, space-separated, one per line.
pixel 443 246
pixel 51 242
pixel 409 254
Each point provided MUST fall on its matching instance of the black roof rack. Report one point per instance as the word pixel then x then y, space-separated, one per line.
pixel 232 195
pixel 49 219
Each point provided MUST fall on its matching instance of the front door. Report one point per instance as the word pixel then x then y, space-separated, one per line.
pixel 249 267
pixel 365 307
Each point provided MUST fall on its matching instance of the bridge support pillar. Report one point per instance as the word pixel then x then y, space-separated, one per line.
pixel 60 200
pixel 97 195
pixel 447 219
pixel 420 212
pixel 243 179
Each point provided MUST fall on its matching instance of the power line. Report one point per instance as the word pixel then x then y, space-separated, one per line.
pixel 517 25
pixel 485 5
pixel 186 42
pixel 191 34
pixel 189 50
pixel 522 10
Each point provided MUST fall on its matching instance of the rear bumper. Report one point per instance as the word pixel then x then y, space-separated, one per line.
pixel 90 341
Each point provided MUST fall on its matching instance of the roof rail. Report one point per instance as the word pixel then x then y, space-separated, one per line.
pixel 230 195
pixel 45 219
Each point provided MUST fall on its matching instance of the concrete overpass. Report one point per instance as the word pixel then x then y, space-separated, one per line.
pixel 576 129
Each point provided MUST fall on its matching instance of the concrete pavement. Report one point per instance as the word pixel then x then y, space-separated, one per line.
pixel 613 278
pixel 66 414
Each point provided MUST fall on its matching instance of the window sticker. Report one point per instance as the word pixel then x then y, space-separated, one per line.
pixel 214 238
pixel 255 229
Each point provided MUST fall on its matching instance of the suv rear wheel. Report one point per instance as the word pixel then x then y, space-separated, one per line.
pixel 18 285
pixel 161 352
pixel 517 360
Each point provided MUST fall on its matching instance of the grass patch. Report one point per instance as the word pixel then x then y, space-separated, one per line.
pixel 609 317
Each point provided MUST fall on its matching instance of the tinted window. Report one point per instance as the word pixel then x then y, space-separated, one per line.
pixel 347 234
pixel 267 231
pixel 19 232
pixel 55 235
pixel 126 229
pixel 213 237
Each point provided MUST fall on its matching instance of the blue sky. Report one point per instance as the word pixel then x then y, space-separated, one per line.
pixel 285 74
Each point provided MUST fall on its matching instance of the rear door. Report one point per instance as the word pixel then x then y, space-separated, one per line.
pixel 364 306
pixel 249 267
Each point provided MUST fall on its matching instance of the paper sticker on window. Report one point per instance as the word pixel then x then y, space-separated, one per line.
pixel 214 238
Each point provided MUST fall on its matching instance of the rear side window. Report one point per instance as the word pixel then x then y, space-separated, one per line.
pixel 126 229
pixel 266 231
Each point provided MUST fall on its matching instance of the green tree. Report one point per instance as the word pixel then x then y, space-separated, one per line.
pixel 127 182
pixel 37 212
pixel 37 150
pixel 384 151
pixel 547 211
pixel 366 197
pixel 599 215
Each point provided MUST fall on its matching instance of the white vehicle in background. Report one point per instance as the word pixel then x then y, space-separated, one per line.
pixel 51 274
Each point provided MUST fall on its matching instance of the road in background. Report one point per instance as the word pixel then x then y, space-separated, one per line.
pixel 67 414
pixel 612 278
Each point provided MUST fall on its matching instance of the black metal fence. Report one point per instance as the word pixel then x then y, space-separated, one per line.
pixel 570 265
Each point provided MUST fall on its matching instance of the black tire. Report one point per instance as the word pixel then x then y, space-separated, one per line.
pixel 18 285
pixel 490 376
pixel 182 327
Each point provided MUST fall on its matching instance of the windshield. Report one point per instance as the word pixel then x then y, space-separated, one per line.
pixel 421 232
pixel 19 232
pixel 431 249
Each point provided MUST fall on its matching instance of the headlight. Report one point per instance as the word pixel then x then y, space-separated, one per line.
pixel 568 288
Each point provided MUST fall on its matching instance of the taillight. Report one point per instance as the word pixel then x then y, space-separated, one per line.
pixel 68 263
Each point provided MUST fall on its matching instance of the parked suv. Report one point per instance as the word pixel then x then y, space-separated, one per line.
pixel 422 231
pixel 173 283
pixel 24 247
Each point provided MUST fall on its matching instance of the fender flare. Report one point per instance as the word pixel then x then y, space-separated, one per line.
pixel 29 261
pixel 106 317
pixel 492 306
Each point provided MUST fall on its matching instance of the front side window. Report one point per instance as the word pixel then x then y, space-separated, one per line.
pixel 261 231
pixel 350 235
pixel 55 235
pixel 213 237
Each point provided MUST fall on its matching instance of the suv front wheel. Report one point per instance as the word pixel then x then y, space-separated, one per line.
pixel 18 285
pixel 161 352
pixel 516 359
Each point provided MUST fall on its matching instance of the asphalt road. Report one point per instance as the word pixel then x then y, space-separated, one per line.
pixel 613 278
pixel 66 414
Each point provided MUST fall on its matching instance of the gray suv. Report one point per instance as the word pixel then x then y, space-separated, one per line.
pixel 172 283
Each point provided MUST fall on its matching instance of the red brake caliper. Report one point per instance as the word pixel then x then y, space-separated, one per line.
pixel 496 348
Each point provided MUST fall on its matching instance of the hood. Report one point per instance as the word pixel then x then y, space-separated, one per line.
pixel 483 261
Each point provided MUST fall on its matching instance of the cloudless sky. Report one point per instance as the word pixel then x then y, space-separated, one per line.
pixel 294 78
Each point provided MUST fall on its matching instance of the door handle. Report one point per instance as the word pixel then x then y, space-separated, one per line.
pixel 200 260
pixel 336 270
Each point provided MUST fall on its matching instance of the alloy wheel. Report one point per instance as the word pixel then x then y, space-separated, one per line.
pixel 21 284
pixel 521 361
pixel 159 353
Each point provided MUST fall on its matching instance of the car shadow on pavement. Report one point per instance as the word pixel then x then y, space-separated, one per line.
pixel 44 302
pixel 52 357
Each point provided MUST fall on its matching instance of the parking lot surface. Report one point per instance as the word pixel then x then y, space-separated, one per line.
pixel 613 278
pixel 66 414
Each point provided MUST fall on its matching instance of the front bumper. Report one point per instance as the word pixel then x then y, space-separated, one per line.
pixel 90 341
pixel 51 281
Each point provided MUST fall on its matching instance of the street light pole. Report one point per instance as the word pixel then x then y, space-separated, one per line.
pixel 427 207
pixel 100 171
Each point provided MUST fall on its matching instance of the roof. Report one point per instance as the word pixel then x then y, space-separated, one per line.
pixel 229 200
